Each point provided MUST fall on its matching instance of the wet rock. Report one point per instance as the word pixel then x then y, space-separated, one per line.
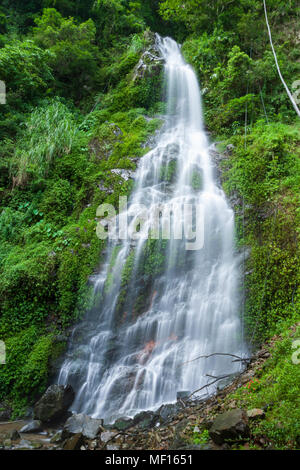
pixel 145 419
pixel 107 436
pixel 54 403
pixel 256 413
pixel 89 427
pixel 168 412
pixel 123 423
pixel 24 445
pixel 74 442
pixel 232 425
pixel 150 64
pixel 32 427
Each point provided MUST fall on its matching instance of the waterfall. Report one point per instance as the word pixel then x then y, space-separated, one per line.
pixel 159 305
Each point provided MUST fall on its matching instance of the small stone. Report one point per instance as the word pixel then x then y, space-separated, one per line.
pixel 25 444
pixel 107 436
pixel 112 447
pixel 256 413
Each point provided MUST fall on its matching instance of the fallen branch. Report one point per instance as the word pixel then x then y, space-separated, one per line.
pixel 237 358
pixel 211 383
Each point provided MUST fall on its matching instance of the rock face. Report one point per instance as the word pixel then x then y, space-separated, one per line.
pixel 151 62
pixel 232 425
pixel 32 427
pixel 124 174
pixel 54 403
pixel 83 424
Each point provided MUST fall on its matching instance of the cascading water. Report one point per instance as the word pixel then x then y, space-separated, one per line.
pixel 158 305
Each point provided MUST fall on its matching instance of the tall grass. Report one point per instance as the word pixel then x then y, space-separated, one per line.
pixel 49 133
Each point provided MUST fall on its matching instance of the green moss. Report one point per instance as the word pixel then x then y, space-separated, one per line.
pixel 265 173
pixel 168 172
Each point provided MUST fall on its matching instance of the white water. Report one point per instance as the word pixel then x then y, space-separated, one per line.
pixel 120 363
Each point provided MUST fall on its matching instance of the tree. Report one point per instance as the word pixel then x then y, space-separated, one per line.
pixel 25 70
pixel 73 52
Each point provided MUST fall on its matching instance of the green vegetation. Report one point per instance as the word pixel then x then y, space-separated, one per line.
pixel 275 389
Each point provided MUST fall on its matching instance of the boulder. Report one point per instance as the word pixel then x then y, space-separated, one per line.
pixel 87 426
pixel 123 423
pixel 74 442
pixel 32 427
pixel 54 403
pixel 145 419
pixel 256 413
pixel 231 426
pixel 168 412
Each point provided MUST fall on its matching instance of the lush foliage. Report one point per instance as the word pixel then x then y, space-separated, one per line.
pixel 73 114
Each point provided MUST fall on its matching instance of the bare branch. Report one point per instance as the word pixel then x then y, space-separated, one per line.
pixel 211 383
pixel 237 358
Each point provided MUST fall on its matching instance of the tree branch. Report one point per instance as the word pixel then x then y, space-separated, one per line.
pixel 237 358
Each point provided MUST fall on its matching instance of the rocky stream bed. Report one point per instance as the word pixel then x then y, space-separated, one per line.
pixel 172 427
